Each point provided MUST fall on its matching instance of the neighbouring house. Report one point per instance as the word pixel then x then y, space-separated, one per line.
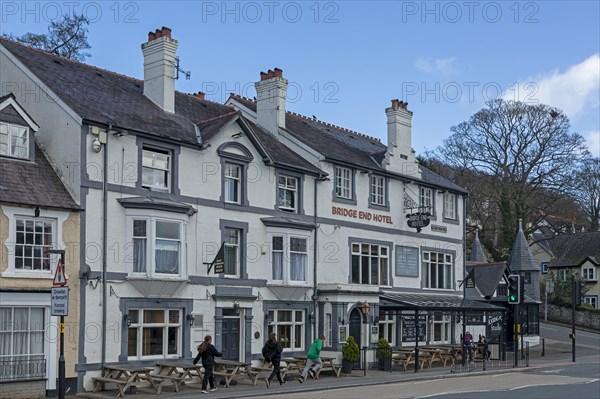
pixel 239 219
pixel 37 214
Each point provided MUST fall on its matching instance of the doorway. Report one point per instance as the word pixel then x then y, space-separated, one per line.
pixel 356 326
pixel 231 338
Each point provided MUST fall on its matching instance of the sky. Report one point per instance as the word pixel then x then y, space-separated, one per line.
pixel 345 60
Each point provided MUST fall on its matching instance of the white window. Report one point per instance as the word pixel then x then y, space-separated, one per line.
pixel 289 327
pixel 22 343
pixel 232 252
pixel 329 330
pixel 387 327
pixel 154 333
pixel 544 267
pixel 34 239
pixel 437 270
pixel 369 264
pixel 450 206
pixel 287 193
pixel 343 182
pixel 591 300
pixel 14 140
pixel 289 256
pixel 563 274
pixel 156 169
pixel 427 198
pixel 440 328
pixel 157 247
pixel 589 273
pixel 232 183
pixel 377 190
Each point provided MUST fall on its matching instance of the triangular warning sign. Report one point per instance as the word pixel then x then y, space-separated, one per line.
pixel 59 276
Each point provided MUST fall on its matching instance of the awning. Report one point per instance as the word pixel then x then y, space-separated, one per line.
pixel 397 302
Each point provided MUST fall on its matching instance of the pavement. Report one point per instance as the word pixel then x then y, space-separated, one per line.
pixel 556 353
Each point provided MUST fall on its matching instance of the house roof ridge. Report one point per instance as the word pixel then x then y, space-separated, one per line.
pixel 375 139
pixel 214 118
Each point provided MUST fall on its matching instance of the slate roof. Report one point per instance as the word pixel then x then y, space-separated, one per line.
pixel 477 254
pixel 346 146
pixel 398 301
pixel 573 249
pixel 103 96
pixel 33 184
pixel 520 255
pixel 486 276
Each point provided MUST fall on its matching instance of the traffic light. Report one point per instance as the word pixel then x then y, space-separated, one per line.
pixel 514 289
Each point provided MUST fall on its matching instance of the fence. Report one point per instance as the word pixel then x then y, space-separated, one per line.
pixel 22 369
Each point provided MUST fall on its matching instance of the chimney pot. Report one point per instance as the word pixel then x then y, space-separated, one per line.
pixel 200 95
pixel 158 33
pixel 263 76
pixel 278 73
pixel 395 103
pixel 166 31
pixel 271 74
pixel 151 36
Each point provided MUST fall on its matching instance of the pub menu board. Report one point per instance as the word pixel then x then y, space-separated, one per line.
pixel 409 330
pixel 495 328
pixel 407 261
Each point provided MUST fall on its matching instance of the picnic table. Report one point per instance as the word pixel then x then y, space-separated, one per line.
pixel 177 372
pixel 328 364
pixel 406 356
pixel 125 376
pixel 230 368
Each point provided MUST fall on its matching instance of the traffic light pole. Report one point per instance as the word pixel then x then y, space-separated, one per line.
pixel 515 335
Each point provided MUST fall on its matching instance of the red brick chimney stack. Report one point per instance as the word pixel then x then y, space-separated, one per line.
pixel 200 95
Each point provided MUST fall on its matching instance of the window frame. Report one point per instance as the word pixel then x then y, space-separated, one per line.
pixel 294 324
pixel 585 273
pixel 591 300
pixel 424 199
pixel 237 180
pixel 151 221
pixel 352 241
pixel 9 140
pixel 165 324
pixel 387 327
pixel 351 179
pixel 235 153
pixel 286 252
pixel 453 207
pixel 445 264
pixel 56 217
pixel 385 205
pixel 242 227
pixel 174 153
pixel 544 267
pixel 168 171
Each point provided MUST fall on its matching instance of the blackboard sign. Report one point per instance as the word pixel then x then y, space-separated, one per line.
pixel 407 261
pixel 409 330
pixel 495 328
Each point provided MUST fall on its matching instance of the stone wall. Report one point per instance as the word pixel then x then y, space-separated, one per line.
pixel 23 389
pixel 563 315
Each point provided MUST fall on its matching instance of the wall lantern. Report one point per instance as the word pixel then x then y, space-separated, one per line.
pixel 127 320
pixel 191 319
pixel 236 307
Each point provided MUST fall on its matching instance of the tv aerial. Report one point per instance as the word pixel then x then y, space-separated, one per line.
pixel 187 74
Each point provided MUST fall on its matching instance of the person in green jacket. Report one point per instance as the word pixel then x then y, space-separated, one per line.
pixel 313 359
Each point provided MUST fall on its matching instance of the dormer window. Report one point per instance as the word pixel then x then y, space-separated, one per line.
pixel 14 140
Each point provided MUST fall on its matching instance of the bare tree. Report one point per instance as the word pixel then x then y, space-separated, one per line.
pixel 66 37
pixel 586 191
pixel 524 154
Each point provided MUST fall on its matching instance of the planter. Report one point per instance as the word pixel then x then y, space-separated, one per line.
pixel 347 366
pixel 385 363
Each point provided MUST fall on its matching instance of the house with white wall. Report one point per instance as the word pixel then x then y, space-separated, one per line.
pixel 310 220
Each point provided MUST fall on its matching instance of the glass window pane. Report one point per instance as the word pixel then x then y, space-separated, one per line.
pixel 154 316
pixel 174 316
pixel 132 341
pixel 167 230
pixel 139 228
pixel 299 315
pixel 278 243
pixel 172 340
pixel 135 315
pixel 152 341
pixel 284 315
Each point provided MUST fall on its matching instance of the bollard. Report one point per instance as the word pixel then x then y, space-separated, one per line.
pixel 543 346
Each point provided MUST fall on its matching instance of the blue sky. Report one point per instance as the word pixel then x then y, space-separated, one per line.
pixel 346 60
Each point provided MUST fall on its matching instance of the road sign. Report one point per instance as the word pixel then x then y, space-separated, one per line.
pixel 60 278
pixel 59 301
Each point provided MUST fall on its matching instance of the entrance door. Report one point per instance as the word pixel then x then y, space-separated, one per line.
pixel 231 339
pixel 355 326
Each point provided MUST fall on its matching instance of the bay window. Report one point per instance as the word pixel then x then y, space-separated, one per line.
pixel 14 140
pixel 289 257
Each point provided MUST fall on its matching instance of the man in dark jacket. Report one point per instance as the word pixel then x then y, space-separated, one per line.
pixel 207 352
pixel 272 352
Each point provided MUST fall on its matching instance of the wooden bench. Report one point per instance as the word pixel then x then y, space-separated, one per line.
pixel 99 383
pixel 227 376
pixel 176 380
pixel 255 371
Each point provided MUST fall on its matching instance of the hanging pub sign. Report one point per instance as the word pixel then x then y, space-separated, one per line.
pixel 418 220
pixel 219 262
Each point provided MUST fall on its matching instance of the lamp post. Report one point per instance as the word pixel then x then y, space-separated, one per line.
pixel 61 359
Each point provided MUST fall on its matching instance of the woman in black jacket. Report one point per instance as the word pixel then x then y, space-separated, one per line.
pixel 207 352
pixel 272 352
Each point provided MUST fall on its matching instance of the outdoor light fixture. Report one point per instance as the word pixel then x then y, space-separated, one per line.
pixel 365 307
pixel 268 318
pixel 236 307
pixel 127 320
pixel 96 145
pixel 190 318
pixel 36 212
pixel 311 317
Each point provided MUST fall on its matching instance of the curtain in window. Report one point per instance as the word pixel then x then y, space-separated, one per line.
pixel 167 257
pixel 277 253
pixel 139 255
pixel 5 328
pixel 21 328
pixel 230 259
pixel 298 266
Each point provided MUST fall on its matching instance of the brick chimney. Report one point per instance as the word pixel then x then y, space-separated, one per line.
pixel 159 68
pixel 271 92
pixel 399 156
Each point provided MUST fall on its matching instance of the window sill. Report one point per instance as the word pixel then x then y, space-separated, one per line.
pixel 155 278
pixel 32 275
pixel 280 283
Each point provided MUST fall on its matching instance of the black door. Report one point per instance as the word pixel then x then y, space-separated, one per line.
pixel 355 326
pixel 231 339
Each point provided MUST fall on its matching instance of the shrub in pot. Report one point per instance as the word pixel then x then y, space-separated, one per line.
pixel 350 355
pixel 384 354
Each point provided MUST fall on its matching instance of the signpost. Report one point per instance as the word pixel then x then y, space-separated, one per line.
pixel 218 262
pixel 418 220
pixel 60 307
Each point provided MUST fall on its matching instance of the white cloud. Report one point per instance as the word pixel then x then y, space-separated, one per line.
pixel 443 66
pixel 574 91
pixel 593 142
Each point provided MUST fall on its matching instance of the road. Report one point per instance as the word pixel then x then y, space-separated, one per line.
pixel 561 333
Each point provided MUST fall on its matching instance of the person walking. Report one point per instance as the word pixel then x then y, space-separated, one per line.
pixel 207 352
pixel 313 359
pixel 468 341
pixel 271 351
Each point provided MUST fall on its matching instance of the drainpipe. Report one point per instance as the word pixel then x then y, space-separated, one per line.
pixel 104 240
pixel 318 179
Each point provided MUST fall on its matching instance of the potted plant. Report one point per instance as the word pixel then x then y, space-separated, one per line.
pixel 384 354
pixel 350 355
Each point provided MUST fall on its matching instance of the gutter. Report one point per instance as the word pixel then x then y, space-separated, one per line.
pixel 104 240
